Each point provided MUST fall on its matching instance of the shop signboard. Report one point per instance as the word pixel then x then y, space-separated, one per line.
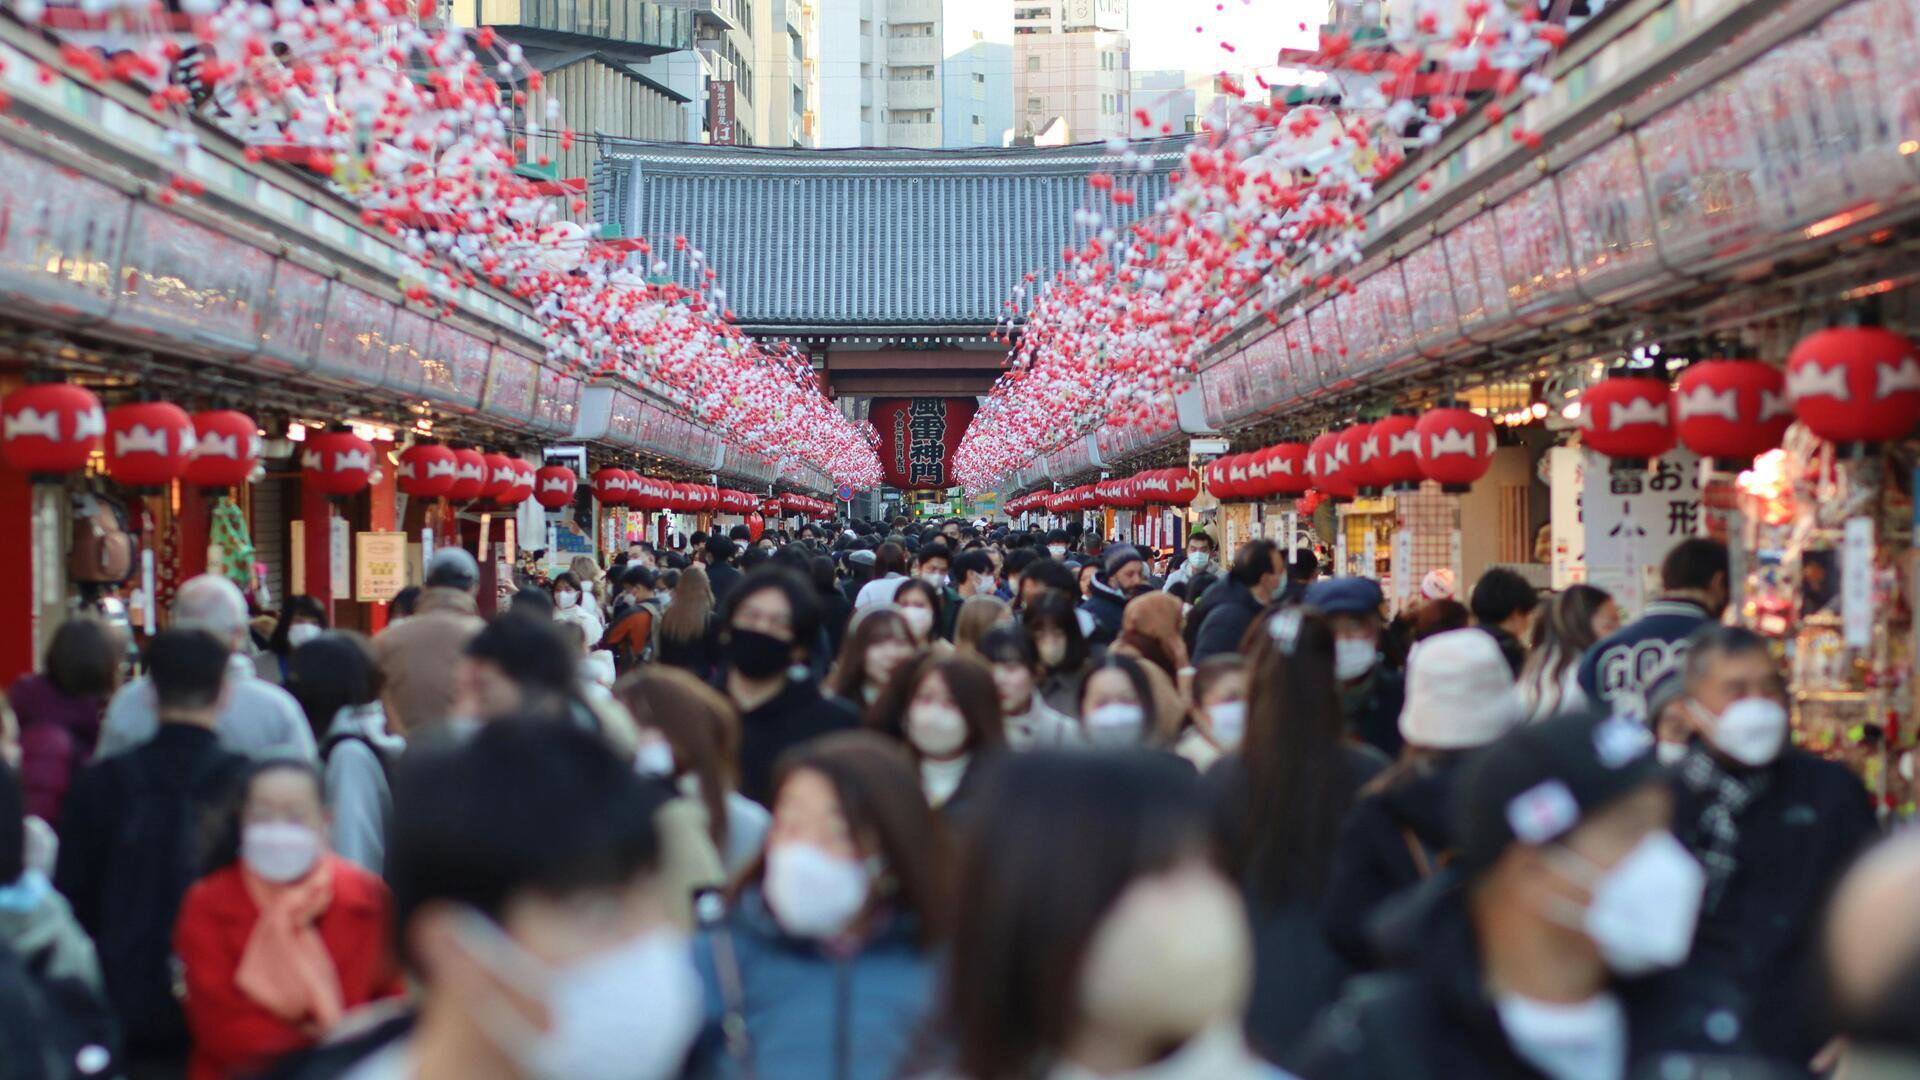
pixel 192 283
pixel 380 564
pixel 918 437
pixel 722 125
pixel 624 427
pixel 1609 222
pixel 1431 311
pixel 1539 277
pixel 1631 520
pixel 411 369
pixel 1566 481
pixel 62 235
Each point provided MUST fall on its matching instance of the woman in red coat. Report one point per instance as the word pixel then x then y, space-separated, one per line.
pixel 284 937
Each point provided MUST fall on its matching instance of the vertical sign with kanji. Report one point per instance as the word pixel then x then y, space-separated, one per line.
pixel 1633 518
pixel 918 437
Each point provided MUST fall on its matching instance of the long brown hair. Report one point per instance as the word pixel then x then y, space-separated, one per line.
pixel 686 618
pixel 968 680
pixel 701 726
pixel 849 672
pixel 879 793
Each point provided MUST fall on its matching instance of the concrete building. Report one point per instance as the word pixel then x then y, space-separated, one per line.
pixel 1071 59
pixel 1171 100
pixel 787 49
pixel 925 74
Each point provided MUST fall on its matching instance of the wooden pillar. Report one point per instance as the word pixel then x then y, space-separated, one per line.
pixel 316 524
pixel 18 641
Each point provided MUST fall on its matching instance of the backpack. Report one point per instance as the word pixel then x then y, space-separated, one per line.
pixel 103 550
pixel 153 859
pixel 379 755
pixel 654 610
pixel 51 1029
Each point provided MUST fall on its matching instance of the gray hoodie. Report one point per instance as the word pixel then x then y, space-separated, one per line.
pixel 37 925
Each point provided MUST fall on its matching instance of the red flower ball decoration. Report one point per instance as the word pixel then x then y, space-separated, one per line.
pixel 148 443
pixel 1856 384
pixel 226 451
pixel 51 429
pixel 469 475
pixel 426 471
pixel 1731 410
pixel 1390 452
pixel 337 462
pixel 554 485
pixel 1628 417
pixel 1455 447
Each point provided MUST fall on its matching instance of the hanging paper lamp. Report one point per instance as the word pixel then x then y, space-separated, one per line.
pixel 51 428
pixel 337 462
pixel 1628 418
pixel 469 475
pixel 499 477
pixel 1328 471
pixel 520 479
pixel 1287 469
pixel 554 485
pixel 1455 447
pixel 426 471
pixel 148 443
pixel 1731 410
pixel 610 486
pixel 1389 452
pixel 1350 448
pixel 1855 384
pixel 226 449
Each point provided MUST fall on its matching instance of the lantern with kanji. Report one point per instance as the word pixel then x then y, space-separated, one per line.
pixel 51 428
pixel 469 475
pixel 519 483
pixel 337 462
pixel 611 486
pixel 1350 448
pixel 148 443
pixel 553 486
pixel 226 449
pixel 1856 384
pixel 1731 410
pixel 1628 418
pixel 1455 447
pixel 1390 452
pixel 426 471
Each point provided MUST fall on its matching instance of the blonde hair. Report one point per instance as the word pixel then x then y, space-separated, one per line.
pixel 686 618
pixel 978 614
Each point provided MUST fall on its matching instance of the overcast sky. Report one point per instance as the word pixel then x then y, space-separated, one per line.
pixel 1163 32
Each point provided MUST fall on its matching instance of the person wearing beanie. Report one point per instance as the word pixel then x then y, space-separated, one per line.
pixel 1553 945
pixel 1123 572
pixel 1460 697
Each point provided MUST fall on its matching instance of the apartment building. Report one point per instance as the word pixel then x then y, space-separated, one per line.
pixel 914 73
pixel 1071 60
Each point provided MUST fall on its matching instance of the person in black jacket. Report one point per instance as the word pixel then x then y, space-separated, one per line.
pixel 1553 946
pixel 722 574
pixel 1460 697
pixel 134 830
pixel 1302 569
pixel 1775 828
pixel 1122 573
pixel 1371 691
pixel 769 629
pixel 1503 605
pixel 1255 576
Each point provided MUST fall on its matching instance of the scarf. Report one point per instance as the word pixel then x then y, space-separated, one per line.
pixel 1725 796
pixel 285 967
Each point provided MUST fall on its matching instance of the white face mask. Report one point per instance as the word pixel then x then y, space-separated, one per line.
pixel 937 731
pixel 1644 910
pixel 1229 719
pixel 1751 731
pixel 935 579
pixel 1353 657
pixel 919 620
pixel 1058 551
pixel 812 893
pixel 1669 753
pixel 300 633
pixel 566 598
pixel 1198 559
pixel 629 1013
pixel 279 851
pixel 653 758
pixel 1116 725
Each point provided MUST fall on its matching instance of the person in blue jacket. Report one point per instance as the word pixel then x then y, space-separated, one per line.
pixel 822 968
pixel 1617 671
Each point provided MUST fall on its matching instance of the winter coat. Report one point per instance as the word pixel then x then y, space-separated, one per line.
pixel 260 720
pixel 234 1034
pixel 1435 1020
pixel 58 734
pixel 811 1012
pixel 1227 618
pixel 1372 707
pixel 1796 840
pixel 38 926
pixel 1044 727
pixel 1375 863
pixel 1108 609
pixel 722 577
pixel 699 656
pixel 795 715
pixel 1616 671
pixel 418 656
pixel 355 759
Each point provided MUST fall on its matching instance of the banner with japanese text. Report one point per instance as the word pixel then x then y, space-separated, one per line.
pixel 918 437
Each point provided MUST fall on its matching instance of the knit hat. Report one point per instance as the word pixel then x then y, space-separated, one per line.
pixel 1537 783
pixel 1116 557
pixel 1459 692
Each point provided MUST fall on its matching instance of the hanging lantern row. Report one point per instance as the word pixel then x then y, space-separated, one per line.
pixel 1451 446
pixel 53 428
pixel 428 470
pixel 1155 487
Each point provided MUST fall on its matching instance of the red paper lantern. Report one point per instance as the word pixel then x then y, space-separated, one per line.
pixel 469 475
pixel 1731 410
pixel 1350 449
pixel 520 478
pixel 148 443
pixel 1390 452
pixel 1256 487
pixel 1628 417
pixel 1326 468
pixel 644 492
pixel 1287 469
pixel 227 449
pixel 337 462
pixel 1455 447
pixel 499 477
pixel 426 471
pixel 554 485
pixel 1238 482
pixel 51 428
pixel 611 486
pixel 756 526
pixel 1855 384
pixel 770 508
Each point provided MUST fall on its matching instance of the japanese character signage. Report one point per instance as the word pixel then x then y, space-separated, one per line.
pixel 1633 518
pixel 721 121
pixel 918 437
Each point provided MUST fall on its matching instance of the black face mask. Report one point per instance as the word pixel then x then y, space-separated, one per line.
pixel 757 655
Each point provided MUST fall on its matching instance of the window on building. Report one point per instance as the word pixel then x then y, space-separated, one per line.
pixel 980 77
pixel 1033 61
pixel 1035 105
pixel 977 121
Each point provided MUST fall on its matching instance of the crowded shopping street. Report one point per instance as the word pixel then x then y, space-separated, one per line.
pixel 959 539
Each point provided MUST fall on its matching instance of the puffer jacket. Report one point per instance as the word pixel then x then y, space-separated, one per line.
pixel 812 1012
pixel 57 735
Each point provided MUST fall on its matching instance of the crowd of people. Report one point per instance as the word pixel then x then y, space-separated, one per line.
pixel 948 801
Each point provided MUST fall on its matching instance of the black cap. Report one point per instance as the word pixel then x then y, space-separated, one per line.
pixel 1537 783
